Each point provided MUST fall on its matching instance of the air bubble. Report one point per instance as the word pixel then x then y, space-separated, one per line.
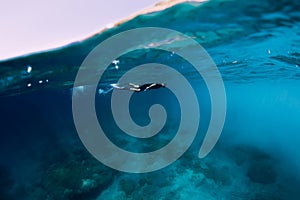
pixel 29 69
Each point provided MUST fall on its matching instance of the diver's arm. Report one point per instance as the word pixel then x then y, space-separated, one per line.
pixel 150 86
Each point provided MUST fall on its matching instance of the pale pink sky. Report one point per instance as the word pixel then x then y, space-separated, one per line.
pixel 35 25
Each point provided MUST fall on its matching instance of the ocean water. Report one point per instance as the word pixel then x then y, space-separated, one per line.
pixel 256 48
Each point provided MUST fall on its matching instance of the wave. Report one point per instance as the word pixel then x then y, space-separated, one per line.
pixel 256 40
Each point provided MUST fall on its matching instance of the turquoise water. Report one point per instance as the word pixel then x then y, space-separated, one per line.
pixel 255 45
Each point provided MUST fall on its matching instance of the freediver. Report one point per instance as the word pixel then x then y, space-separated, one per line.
pixel 140 88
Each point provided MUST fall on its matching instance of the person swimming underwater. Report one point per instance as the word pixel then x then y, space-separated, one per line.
pixel 140 88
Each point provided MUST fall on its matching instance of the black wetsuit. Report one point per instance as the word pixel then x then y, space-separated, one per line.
pixel 144 87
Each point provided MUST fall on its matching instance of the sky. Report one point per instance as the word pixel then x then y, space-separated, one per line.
pixel 35 25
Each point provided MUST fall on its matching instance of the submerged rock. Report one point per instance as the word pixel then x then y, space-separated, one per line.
pixel 262 172
pixel 74 178
pixel 128 186
pixel 6 183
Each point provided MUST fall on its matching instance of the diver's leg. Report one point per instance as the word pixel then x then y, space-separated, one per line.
pixel 116 86
pixel 135 89
pixel 133 85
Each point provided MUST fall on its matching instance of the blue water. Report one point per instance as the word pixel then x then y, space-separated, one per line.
pixel 256 47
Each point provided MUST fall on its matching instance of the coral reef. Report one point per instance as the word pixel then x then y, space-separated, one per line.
pixel 78 176
pixel 236 173
pixel 6 183
pixel 219 176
